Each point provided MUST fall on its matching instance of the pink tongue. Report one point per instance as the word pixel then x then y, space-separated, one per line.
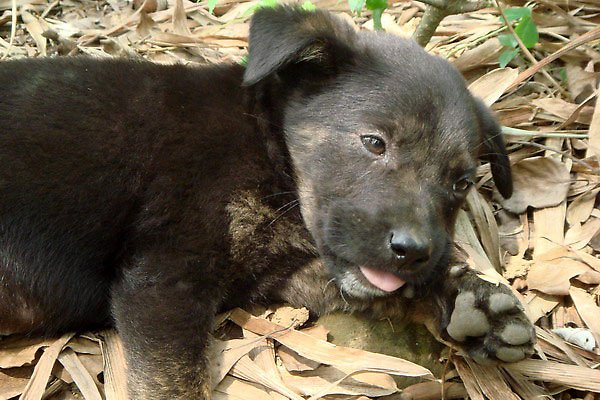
pixel 385 281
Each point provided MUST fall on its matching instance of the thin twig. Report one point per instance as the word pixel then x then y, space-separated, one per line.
pixel 522 132
pixel 437 10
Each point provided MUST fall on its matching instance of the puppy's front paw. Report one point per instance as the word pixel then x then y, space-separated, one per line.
pixel 488 321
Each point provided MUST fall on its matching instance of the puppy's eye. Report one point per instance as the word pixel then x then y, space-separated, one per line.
pixel 374 144
pixel 462 185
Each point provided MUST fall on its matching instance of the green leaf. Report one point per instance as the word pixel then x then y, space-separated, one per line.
pixel 356 6
pixel 268 3
pixel 563 74
pixel 377 13
pixel 376 5
pixel 515 13
pixel 527 32
pixel 507 57
pixel 244 61
pixel 211 5
pixel 508 40
pixel 308 6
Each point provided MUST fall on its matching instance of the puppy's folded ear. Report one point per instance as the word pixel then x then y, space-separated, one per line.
pixel 493 149
pixel 282 38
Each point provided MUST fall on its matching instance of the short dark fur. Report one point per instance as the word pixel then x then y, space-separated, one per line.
pixel 154 196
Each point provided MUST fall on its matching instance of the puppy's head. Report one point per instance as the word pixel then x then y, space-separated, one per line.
pixel 383 141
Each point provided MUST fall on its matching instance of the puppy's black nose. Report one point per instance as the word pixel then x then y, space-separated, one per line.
pixel 408 248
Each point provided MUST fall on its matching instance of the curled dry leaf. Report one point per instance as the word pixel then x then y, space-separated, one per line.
pixel 19 352
pixel 563 109
pixel 327 380
pixel 581 208
pixel 13 381
pixel 538 182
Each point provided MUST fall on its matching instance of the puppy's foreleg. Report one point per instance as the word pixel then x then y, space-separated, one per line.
pixel 164 316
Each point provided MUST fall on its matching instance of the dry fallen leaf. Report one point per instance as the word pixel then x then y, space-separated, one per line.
pixel 539 182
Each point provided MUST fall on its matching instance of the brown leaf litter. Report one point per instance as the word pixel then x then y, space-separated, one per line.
pixel 548 232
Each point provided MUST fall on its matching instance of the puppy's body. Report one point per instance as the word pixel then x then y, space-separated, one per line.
pixel 152 196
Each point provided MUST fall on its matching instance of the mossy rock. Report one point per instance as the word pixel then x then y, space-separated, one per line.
pixel 392 337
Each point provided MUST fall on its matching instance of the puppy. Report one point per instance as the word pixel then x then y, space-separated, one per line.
pixel 149 197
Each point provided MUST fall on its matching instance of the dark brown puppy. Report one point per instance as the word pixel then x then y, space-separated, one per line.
pixel 153 196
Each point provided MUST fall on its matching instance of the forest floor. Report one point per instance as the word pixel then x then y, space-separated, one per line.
pixel 544 241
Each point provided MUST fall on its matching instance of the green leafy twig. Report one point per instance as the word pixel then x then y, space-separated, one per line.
pixel 375 6
pixel 526 37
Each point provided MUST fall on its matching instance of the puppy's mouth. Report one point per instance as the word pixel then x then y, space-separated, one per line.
pixel 367 281
pixel 383 280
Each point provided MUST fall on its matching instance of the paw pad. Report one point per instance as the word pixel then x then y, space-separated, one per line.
pixel 467 320
pixel 510 354
pixel 516 334
pixel 501 302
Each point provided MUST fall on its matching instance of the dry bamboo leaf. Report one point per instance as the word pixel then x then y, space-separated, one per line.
pixel 6 4
pixel 525 388
pixel 553 277
pixel 328 353
pixel 564 109
pixel 466 238
pixel 581 83
pixel 317 331
pixel 487 228
pixel 538 182
pixel 581 208
pixel 484 54
pixel 264 357
pixel 180 19
pixel 226 353
pixel 16 352
pixel 247 369
pixel 553 339
pixel 13 381
pixel 588 259
pixel 588 310
pixel 491 381
pixel 549 229
pixel 294 362
pixel 115 378
pixel 236 389
pixel 540 304
pixel 433 391
pixel 35 29
pixel 590 277
pixel 328 380
pixel 578 236
pixel 80 375
pixel 85 346
pixel 145 25
pixel 573 376
pixel 594 133
pixel 492 85
pixel 468 378
pixel 41 373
